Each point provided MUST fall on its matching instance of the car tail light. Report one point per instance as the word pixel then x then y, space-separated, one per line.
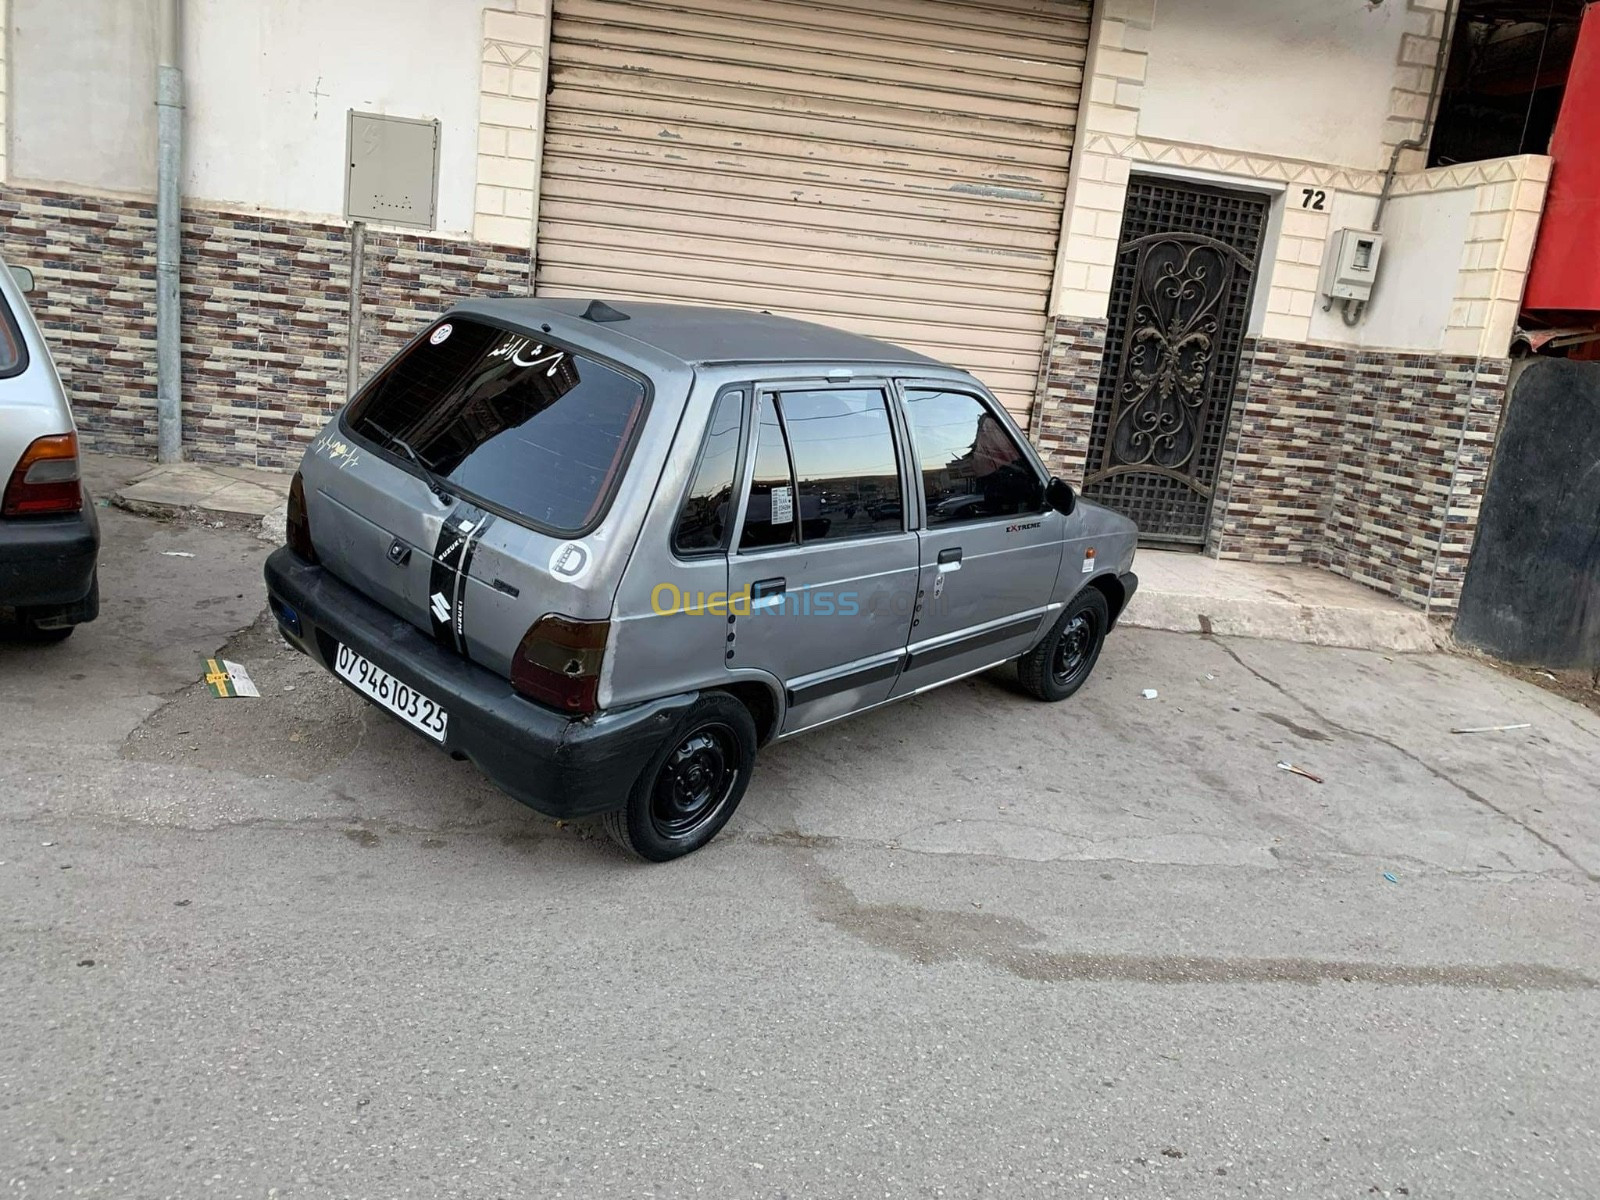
pixel 558 662
pixel 46 479
pixel 298 523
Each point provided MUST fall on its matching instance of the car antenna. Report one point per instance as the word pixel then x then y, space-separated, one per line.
pixel 599 310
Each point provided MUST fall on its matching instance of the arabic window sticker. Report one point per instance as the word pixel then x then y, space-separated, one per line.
pixel 524 352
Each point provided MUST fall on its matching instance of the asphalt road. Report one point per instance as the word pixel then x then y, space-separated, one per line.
pixel 967 946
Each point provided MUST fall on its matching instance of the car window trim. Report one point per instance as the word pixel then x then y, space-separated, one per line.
pixel 607 497
pixel 975 391
pixel 885 387
pixel 744 438
pixel 748 475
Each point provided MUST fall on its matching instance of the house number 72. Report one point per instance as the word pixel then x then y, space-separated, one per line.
pixel 1314 198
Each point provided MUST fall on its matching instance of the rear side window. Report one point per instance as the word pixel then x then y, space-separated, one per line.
pixel 972 468
pixel 844 463
pixel 708 507
pixel 535 429
pixel 13 354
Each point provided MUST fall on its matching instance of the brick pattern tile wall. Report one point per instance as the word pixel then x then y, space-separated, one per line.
pixel 94 263
pixel 265 316
pixel 1069 381
pixel 1371 464
pixel 410 280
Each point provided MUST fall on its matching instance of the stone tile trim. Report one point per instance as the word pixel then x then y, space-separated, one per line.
pixel 1109 147
pixel 1495 260
pixel 265 303
pixel 511 105
pixel 1408 98
pixel 1097 188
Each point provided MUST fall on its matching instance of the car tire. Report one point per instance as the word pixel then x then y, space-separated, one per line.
pixel 1058 666
pixel 691 785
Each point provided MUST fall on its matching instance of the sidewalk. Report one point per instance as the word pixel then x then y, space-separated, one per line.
pixel 245 492
pixel 1190 593
pixel 1186 593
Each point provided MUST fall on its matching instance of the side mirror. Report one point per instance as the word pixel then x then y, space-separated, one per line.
pixel 1061 497
pixel 24 277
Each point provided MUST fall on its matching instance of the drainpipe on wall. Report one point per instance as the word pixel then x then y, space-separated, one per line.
pixel 169 162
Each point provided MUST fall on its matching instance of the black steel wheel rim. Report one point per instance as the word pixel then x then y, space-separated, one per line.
pixel 1074 648
pixel 695 781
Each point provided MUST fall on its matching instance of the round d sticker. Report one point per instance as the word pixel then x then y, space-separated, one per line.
pixel 570 561
pixel 440 334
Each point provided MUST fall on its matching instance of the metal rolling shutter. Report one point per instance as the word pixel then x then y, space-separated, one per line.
pixel 894 167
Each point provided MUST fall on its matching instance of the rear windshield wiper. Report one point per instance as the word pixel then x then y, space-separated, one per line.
pixel 435 484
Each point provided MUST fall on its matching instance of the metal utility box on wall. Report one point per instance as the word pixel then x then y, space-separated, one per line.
pixel 392 171
pixel 1351 267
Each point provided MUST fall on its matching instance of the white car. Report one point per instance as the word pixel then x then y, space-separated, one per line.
pixel 49 537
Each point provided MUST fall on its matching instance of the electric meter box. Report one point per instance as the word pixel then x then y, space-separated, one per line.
pixel 1351 267
pixel 392 170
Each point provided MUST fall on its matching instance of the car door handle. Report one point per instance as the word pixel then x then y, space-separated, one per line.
pixel 765 593
pixel 950 560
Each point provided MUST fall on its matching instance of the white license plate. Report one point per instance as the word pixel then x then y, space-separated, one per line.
pixel 401 699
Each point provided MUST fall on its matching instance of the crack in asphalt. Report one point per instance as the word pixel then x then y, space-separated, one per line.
pixel 929 937
pixel 786 839
pixel 1442 776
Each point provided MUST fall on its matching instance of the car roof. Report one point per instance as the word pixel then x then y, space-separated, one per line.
pixel 700 334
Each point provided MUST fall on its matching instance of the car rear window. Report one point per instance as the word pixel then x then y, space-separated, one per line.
pixel 13 355
pixel 538 430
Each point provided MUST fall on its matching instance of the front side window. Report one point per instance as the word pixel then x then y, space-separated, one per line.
pixel 972 468
pixel 536 429
pixel 848 482
pixel 708 506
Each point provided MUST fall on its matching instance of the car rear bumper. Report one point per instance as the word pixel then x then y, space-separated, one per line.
pixel 560 765
pixel 48 561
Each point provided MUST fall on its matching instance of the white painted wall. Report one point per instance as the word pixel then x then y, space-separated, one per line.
pixel 1417 279
pixel 270 82
pixel 1302 79
pixel 83 93
pixel 268 85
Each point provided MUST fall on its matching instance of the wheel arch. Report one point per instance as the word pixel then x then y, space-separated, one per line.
pixel 763 704
pixel 1115 593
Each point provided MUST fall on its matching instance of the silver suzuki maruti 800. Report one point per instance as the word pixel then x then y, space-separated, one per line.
pixel 607 552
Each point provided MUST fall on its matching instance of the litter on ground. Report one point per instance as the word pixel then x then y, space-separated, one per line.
pixel 224 679
pixel 1301 771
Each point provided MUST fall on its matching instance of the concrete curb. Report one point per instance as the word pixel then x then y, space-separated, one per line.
pixel 1401 632
pixel 238 497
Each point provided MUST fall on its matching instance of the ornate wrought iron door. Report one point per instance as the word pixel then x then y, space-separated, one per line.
pixel 1180 302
